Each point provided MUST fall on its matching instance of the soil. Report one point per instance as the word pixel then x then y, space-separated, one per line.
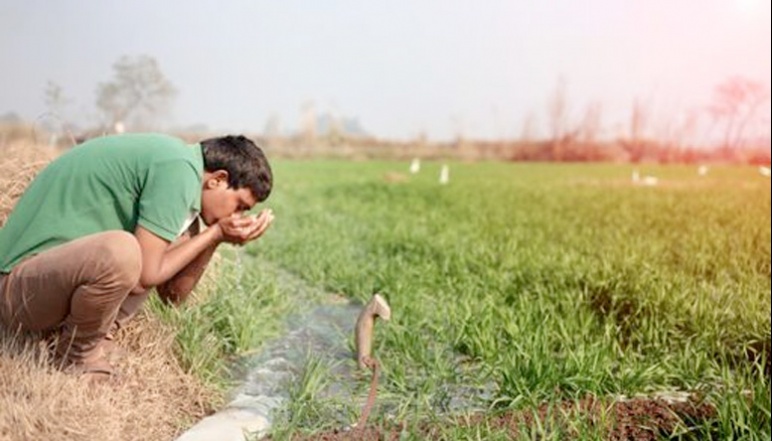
pixel 636 419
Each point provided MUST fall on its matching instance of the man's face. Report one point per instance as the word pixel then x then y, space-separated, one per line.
pixel 219 201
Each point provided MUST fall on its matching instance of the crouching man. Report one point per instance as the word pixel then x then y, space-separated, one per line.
pixel 114 217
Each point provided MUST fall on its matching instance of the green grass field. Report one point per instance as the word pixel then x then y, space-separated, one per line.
pixel 524 284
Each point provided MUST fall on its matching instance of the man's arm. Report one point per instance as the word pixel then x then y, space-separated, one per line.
pixel 161 260
pixel 187 259
pixel 177 289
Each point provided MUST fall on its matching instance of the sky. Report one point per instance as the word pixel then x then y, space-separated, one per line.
pixel 444 68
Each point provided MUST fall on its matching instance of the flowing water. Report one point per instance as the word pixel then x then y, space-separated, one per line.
pixel 322 329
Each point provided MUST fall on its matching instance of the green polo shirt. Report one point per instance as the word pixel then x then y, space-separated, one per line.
pixel 108 183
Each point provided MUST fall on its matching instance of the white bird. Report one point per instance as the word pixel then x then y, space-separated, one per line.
pixel 415 166
pixel 648 181
pixel 444 174
pixel 765 171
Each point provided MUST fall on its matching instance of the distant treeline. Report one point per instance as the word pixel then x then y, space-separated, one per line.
pixel 622 150
pixel 350 147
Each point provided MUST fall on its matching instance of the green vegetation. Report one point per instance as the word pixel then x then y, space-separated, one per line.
pixel 237 313
pixel 533 284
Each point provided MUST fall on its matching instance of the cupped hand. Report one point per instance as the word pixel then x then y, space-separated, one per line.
pixel 238 229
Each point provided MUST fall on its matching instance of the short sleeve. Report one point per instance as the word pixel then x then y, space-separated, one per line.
pixel 171 192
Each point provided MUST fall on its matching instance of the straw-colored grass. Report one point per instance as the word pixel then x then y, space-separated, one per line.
pixel 19 163
pixel 151 398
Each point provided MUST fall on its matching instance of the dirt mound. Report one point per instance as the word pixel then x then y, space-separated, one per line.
pixel 637 419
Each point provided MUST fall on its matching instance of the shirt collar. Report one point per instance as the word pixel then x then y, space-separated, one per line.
pixel 198 160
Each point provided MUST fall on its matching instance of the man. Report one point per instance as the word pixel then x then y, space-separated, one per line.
pixel 114 217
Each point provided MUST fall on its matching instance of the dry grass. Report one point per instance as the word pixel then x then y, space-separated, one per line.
pixel 19 163
pixel 151 398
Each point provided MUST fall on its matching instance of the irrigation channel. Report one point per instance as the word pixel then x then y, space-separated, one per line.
pixel 321 328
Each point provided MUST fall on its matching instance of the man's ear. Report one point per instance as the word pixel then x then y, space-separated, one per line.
pixel 217 178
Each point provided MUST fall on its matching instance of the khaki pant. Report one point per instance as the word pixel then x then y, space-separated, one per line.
pixel 77 287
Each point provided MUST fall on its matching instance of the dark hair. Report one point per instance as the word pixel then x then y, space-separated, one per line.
pixel 244 161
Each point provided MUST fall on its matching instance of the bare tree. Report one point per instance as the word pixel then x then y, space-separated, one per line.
pixel 635 143
pixel 557 110
pixel 55 100
pixel 308 123
pixel 736 107
pixel 272 130
pixel 56 103
pixel 592 123
pixel 336 132
pixel 138 95
pixel 688 129
pixel 528 129
pixel 675 137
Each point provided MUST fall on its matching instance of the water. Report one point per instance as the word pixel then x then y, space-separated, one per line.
pixel 322 332
pixel 323 329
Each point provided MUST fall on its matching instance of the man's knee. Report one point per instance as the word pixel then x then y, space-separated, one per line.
pixel 123 255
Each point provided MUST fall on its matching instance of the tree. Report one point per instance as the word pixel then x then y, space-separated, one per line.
pixel 54 99
pixel 557 110
pixel 591 123
pixel 736 106
pixel 589 133
pixel 562 135
pixel 635 144
pixel 308 124
pixel 528 129
pixel 272 130
pixel 138 95
pixel 55 120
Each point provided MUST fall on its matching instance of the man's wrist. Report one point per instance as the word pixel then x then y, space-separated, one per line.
pixel 217 236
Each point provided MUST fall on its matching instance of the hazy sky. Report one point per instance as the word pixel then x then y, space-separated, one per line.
pixel 475 67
